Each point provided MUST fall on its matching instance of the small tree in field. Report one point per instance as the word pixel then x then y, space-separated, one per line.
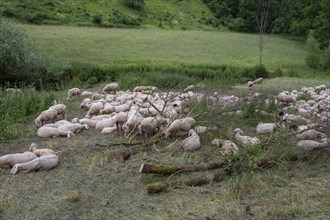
pixel 262 22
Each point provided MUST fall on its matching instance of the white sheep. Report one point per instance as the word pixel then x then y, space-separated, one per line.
pixel 73 92
pixel 10 160
pixel 108 130
pixel 312 145
pixel 73 127
pixel 49 115
pixel 245 141
pixel 150 125
pixel 90 122
pixel 40 152
pixel 250 84
pixel 310 134
pixel 285 99
pixel 264 128
pixel 190 88
pixel 111 87
pixel 46 132
pixel 192 142
pixel 60 108
pixel 258 81
pixel 95 109
pixel 227 146
pixel 86 94
pixel 45 162
pixel 184 124
pixel 320 88
pixel 13 90
pixel 107 122
pixel 133 119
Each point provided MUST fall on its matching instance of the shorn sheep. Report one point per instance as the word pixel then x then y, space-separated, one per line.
pixel 49 115
pixel 40 152
pixel 184 124
pixel 313 145
pixel 60 109
pixel 45 162
pixel 111 87
pixel 73 92
pixel 10 160
pixel 46 132
pixel 245 141
pixel 227 146
pixel 192 142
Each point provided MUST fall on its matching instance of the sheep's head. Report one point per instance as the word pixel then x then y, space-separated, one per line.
pixel 33 147
pixel 38 123
pixel 70 134
pixel 238 130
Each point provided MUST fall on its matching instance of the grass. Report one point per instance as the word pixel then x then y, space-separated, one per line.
pixel 90 183
pixel 164 47
pixel 164 13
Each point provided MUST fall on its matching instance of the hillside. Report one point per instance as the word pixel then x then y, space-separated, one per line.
pixel 115 13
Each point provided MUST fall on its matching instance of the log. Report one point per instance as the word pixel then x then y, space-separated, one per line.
pixel 167 169
pixel 159 187
pixel 124 155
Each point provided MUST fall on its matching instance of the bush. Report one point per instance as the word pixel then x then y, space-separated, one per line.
pixel 261 71
pixel 135 4
pixel 18 55
pixel 97 19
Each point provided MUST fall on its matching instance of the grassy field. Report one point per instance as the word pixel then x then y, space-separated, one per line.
pixel 90 183
pixel 161 47
pixel 156 13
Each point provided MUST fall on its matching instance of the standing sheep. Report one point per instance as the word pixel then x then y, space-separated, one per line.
pixel 73 92
pixel 60 108
pixel 111 87
pixel 45 116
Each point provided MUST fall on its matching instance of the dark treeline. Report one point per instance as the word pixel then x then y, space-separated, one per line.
pixel 295 17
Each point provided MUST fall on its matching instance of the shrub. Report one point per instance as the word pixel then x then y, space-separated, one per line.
pixel 135 4
pixel 261 71
pixel 18 55
pixel 97 19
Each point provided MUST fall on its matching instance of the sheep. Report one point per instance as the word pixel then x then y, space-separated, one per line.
pixel 86 94
pixel 45 162
pixel 264 128
pixel 73 127
pixel 40 152
pixel 310 134
pixel 245 141
pixel 227 146
pixel 90 122
pixel 95 109
pixel 13 90
pixel 109 122
pixel 145 88
pixel 311 145
pixel 110 87
pixel 293 118
pixel 107 110
pixel 133 119
pixel 108 130
pixel 200 129
pixel 285 99
pixel 10 160
pixel 45 116
pixel 184 124
pixel 73 92
pixel 258 81
pixel 149 125
pixel 60 108
pixel 190 88
pixel 46 132
pixel 320 88
pixel 192 142
pixel 250 84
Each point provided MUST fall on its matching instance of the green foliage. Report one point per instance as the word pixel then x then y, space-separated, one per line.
pixel 313 53
pixel 18 55
pixel 261 71
pixel 97 19
pixel 326 58
pixel 20 107
pixel 135 4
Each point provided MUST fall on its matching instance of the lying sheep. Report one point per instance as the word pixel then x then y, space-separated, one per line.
pixel 285 99
pixel 86 121
pixel 49 115
pixel 192 142
pixel 95 109
pixel 108 130
pixel 310 134
pixel 73 92
pixel 190 88
pixel 312 145
pixel 40 152
pixel 111 87
pixel 319 89
pixel 184 124
pixel 46 132
pixel 10 160
pixel 264 128
pixel 227 146
pixel 143 89
pixel 150 125
pixel 13 90
pixel 245 141
pixel 86 94
pixel 73 127
pixel 60 109
pixel 45 162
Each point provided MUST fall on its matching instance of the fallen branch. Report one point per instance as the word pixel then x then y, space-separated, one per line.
pixel 171 169
pixel 198 181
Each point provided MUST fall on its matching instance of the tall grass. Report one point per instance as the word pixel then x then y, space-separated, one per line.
pixel 20 108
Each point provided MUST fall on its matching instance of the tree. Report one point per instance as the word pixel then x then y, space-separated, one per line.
pixel 262 22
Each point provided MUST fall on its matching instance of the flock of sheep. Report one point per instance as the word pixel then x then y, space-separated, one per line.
pixel 146 112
